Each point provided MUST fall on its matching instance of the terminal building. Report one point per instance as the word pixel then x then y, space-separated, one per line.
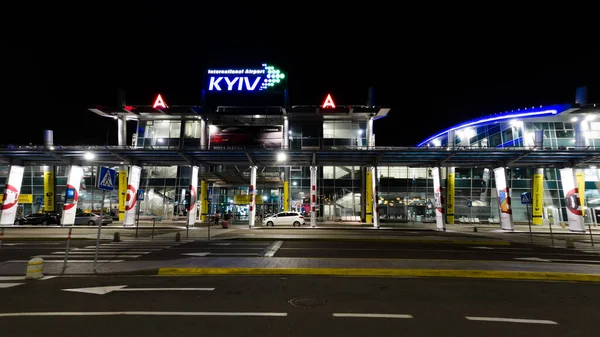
pixel 353 192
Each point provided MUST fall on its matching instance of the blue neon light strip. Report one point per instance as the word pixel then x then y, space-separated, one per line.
pixel 531 113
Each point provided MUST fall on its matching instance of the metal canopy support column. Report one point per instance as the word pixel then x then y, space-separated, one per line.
pixel 286 131
pixel 252 213
pixel 203 136
pixel 313 196
pixel 374 183
pixel 122 131
pixel 370 138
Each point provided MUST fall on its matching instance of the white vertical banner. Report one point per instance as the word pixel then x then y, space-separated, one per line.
pixel 193 196
pixel 133 184
pixel 72 195
pixel 437 199
pixel 572 201
pixel 313 196
pixel 12 189
pixel 504 203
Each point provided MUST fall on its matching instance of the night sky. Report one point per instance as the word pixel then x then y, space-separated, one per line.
pixel 433 75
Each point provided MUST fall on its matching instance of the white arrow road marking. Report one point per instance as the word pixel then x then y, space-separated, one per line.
pixel 110 289
pixel 196 254
pixel 9 285
pixel 510 320
pixel 145 313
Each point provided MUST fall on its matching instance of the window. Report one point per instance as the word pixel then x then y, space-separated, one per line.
pixel 192 129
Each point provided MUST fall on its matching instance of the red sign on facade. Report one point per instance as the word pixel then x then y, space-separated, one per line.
pixel 328 103
pixel 159 103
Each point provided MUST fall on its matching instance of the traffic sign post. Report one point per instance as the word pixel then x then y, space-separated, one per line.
pixel 470 205
pixel 526 200
pixel 105 183
pixel 140 197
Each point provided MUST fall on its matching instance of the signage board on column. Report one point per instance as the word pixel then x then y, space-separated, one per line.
pixel 572 201
pixel 504 203
pixel 71 195
pixel 10 199
pixel 122 193
pixel 450 194
pixel 193 196
pixel 203 200
pixel 438 201
pixel 286 196
pixel 580 181
pixel 537 199
pixel 49 191
pixel 369 196
pixel 131 195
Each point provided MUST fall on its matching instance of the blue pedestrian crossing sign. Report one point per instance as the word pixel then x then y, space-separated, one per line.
pixel 469 203
pixel 106 178
pixel 140 195
pixel 525 198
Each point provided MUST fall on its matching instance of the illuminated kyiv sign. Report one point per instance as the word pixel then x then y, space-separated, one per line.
pixel 159 103
pixel 328 103
pixel 260 79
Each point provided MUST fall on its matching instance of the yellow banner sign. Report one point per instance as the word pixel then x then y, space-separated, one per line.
pixel 49 191
pixel 122 193
pixel 25 198
pixel 245 199
pixel 580 181
pixel 450 198
pixel 538 198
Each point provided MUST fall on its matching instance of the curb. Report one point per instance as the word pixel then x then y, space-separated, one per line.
pixel 363 239
pixel 381 272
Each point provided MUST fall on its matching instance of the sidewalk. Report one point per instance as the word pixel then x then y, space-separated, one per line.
pixel 204 266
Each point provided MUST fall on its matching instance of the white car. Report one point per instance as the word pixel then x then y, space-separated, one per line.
pixel 284 218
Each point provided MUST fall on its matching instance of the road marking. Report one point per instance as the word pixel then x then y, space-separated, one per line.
pixel 124 249
pixel 510 320
pixel 272 249
pixel 537 259
pixel 109 289
pixel 371 315
pixel 31 243
pixel 9 285
pixel 233 254
pixel 87 256
pixel 77 252
pixel 145 313
pixel 17 278
pixel 196 254
pixel 61 261
pixel 221 244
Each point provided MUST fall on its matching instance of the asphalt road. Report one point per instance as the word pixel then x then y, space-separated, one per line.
pixel 145 249
pixel 296 306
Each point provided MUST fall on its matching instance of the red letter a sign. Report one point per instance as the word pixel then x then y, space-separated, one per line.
pixel 159 102
pixel 328 102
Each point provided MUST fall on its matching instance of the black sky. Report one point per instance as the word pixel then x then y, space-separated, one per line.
pixel 434 70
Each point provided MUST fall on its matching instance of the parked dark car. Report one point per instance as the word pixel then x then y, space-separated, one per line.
pixel 43 219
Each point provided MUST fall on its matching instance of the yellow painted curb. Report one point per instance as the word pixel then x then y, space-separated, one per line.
pixel 381 272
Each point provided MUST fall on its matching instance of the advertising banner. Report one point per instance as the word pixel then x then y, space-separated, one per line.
pixel 450 193
pixel 71 195
pixel 572 201
pixel 193 196
pixel 131 195
pixel 286 196
pixel 245 199
pixel 49 191
pixel 504 203
pixel 437 199
pixel 204 200
pixel 369 197
pixel 580 179
pixel 224 137
pixel 122 193
pixel 538 197
pixel 25 198
pixel 12 189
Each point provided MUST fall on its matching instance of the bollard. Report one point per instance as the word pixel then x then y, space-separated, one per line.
pixel 178 237
pixel 475 229
pixel 35 268
pixel 117 237
pixel 570 243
